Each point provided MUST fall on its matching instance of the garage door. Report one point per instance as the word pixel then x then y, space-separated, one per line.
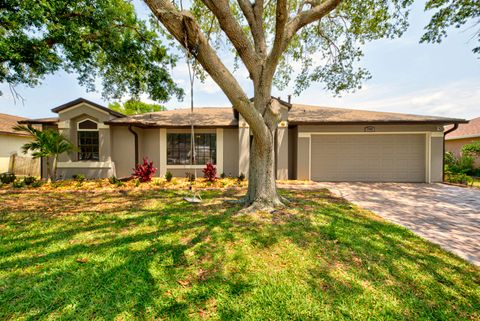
pixel 374 158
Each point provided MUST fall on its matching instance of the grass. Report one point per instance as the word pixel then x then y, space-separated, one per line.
pixel 476 182
pixel 145 254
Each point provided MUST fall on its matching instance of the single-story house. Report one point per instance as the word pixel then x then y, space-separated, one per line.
pixel 11 142
pixel 464 134
pixel 312 142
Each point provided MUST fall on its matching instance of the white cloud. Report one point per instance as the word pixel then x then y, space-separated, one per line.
pixel 455 99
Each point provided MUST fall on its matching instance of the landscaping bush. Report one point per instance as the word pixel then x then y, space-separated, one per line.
pixel 223 175
pixel 79 178
pixel 18 183
pixel 37 184
pixel 190 176
pixel 29 180
pixel 210 172
pixel 115 181
pixel 462 165
pixel 472 149
pixel 145 171
pixel 458 178
pixel 7 178
pixel 168 176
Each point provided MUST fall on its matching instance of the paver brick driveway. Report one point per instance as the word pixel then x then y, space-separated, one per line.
pixel 446 215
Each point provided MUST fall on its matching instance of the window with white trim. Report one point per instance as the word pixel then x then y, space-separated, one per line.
pixel 178 148
pixel 88 140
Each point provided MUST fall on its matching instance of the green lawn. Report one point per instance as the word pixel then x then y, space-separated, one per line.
pixel 145 254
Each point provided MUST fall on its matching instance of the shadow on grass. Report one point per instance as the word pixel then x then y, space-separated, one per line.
pixel 153 255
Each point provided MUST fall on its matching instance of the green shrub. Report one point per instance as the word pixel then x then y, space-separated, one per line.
pixel 18 183
pixel 223 175
pixel 190 176
pixel 476 172
pixel 29 180
pixel 168 176
pixel 7 178
pixel 79 178
pixel 462 165
pixel 458 178
pixel 115 181
pixel 37 184
pixel 472 149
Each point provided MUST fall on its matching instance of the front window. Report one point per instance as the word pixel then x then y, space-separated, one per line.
pixel 178 149
pixel 88 140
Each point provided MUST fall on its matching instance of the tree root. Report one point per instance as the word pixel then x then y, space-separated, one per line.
pixel 261 205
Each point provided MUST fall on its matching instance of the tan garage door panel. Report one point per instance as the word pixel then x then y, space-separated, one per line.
pixel 375 158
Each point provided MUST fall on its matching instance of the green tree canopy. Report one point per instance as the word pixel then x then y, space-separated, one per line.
pixel 94 38
pixel 277 42
pixel 452 13
pixel 472 149
pixel 133 107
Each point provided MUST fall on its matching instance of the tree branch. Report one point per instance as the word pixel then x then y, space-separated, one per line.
pixel 183 26
pixel 318 11
pixel 286 30
pixel 281 17
pixel 234 32
pixel 254 15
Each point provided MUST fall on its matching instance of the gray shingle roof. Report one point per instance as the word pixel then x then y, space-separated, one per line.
pixel 307 114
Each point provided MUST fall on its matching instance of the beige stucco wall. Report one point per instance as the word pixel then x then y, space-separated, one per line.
pixel 123 150
pixel 455 146
pixel 10 144
pixel 437 159
pixel 292 152
pixel 150 147
pixel 68 121
pixel 361 128
pixel 230 151
pixel 303 158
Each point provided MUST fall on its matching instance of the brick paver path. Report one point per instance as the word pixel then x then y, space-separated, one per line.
pixel 446 215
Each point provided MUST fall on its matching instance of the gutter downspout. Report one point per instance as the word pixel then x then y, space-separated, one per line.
pixel 136 143
pixel 455 126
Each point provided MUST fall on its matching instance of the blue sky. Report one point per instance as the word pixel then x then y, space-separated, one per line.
pixel 407 77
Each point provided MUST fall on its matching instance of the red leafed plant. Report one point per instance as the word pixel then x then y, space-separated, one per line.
pixel 144 172
pixel 210 172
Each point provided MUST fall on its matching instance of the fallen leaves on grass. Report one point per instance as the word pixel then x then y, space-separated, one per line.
pixel 184 283
pixel 82 260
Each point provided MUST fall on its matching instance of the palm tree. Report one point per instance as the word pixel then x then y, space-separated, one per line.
pixel 46 143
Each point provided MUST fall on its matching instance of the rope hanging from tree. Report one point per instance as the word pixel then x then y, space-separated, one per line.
pixel 194 195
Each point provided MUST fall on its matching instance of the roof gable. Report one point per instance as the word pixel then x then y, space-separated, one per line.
pixel 79 101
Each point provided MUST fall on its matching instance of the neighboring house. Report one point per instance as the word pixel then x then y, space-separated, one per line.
pixel 464 134
pixel 312 143
pixel 11 142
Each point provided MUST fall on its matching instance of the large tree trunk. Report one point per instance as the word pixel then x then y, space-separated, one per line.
pixel 262 191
